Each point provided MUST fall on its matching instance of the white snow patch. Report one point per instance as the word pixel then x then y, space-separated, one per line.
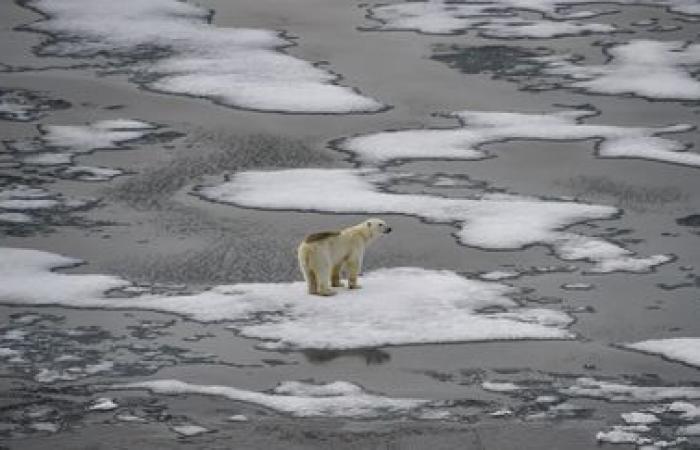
pixel 492 221
pixel 617 436
pixel 644 68
pixel 396 306
pixel 179 52
pixel 237 418
pixel 26 277
pixel 479 128
pixel 688 410
pixel 189 430
pixel 498 386
pixel 355 403
pixel 636 417
pixel 685 350
pixel 615 392
pixel 497 275
pixel 577 286
pixel 103 404
pixel 100 135
pixel 490 19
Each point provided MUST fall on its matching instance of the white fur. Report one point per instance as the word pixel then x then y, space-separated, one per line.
pixel 322 261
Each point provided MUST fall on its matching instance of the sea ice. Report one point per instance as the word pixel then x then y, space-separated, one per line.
pixel 351 403
pixel 405 306
pixel 685 350
pixel 171 46
pixel 642 418
pixel 615 392
pixel 189 430
pixel 479 128
pixel 644 68
pixel 21 105
pixel 497 386
pixel 103 404
pixel 88 173
pixel 492 221
pixel 489 19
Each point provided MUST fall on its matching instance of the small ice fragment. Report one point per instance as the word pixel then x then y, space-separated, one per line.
pixel 237 418
pixel 577 286
pixel 497 386
pixel 501 413
pixel 103 404
pixel 189 430
pixel 639 418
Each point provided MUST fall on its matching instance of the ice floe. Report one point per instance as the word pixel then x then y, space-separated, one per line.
pixel 189 430
pixel 171 46
pixel 21 105
pixel 399 306
pixel 479 128
pixel 644 68
pixel 342 400
pixel 103 404
pixel 58 144
pixel 616 392
pixel 491 221
pixel 89 173
pixel 489 19
pixel 19 203
pixel 685 350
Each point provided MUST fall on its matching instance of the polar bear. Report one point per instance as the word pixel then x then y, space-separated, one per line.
pixel 322 256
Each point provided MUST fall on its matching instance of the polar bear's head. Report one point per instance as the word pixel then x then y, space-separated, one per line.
pixel 376 227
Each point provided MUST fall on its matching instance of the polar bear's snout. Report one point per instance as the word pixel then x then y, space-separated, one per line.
pixel 387 230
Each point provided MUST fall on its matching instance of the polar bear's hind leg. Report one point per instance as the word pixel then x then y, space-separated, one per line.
pixel 335 276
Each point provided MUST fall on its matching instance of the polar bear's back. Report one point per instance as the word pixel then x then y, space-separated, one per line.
pixel 315 237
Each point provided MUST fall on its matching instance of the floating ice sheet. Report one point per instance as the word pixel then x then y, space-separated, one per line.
pixel 501 19
pixel 479 128
pixel 644 68
pixel 397 306
pixel 489 19
pixel 685 350
pixel 338 399
pixel 616 392
pixel 492 221
pixel 171 46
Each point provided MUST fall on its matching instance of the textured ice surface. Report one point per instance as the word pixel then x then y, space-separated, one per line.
pixel 644 68
pixel 349 401
pixel 489 19
pixel 21 105
pixel 480 127
pixel 636 417
pixel 58 144
pixel 615 392
pixel 685 350
pixel 27 278
pixel 104 134
pixel 170 46
pixel 497 386
pixel 189 430
pixel 103 404
pixel 492 221
pixel 89 173
pixel 396 306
